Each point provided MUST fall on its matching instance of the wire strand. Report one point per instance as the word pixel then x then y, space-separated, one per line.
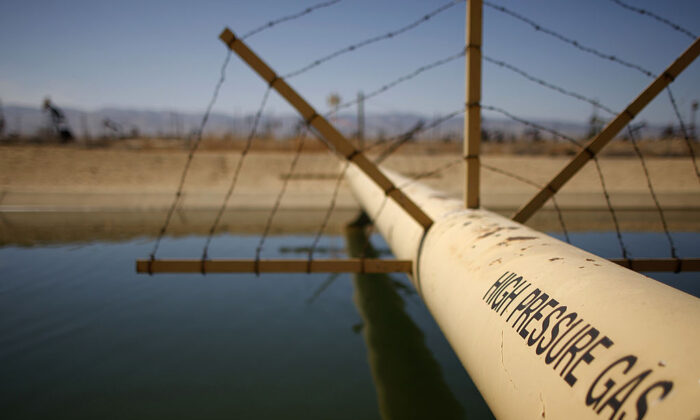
pixel 631 135
pixel 329 211
pixel 548 85
pixel 606 194
pixel 659 209
pixel 190 155
pixel 653 15
pixel 532 124
pixel 280 195
pixel 404 78
pixel 413 132
pixel 560 216
pixel 576 44
pixel 293 16
pixel 606 56
pixel 236 173
pixel 531 183
pixel 686 137
pixel 373 40
pixel 611 209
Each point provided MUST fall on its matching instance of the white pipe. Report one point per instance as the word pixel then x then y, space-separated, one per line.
pixel 543 328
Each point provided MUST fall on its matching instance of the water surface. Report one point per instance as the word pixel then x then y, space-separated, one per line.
pixel 83 336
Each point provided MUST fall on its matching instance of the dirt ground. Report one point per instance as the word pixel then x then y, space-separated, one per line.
pixel 52 194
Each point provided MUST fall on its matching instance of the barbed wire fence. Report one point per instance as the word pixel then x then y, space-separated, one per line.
pixel 391 145
pixel 205 118
pixel 597 104
pixel 599 171
pixel 253 131
pixel 236 173
pixel 372 40
pixel 605 56
pixel 570 93
pixel 190 155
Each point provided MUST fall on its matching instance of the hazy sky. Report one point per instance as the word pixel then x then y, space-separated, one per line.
pixel 166 55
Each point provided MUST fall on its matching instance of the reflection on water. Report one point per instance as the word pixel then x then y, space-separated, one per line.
pixel 36 228
pixel 83 336
pixel 408 379
pixel 32 228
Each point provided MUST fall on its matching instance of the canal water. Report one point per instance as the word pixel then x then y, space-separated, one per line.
pixel 83 336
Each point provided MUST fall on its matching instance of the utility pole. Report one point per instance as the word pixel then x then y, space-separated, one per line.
pixel 472 119
pixel 18 123
pixel 693 111
pixel 2 121
pixel 333 101
pixel 86 131
pixel 175 125
pixel 360 120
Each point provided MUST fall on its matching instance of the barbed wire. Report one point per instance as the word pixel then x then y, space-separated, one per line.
pixel 236 173
pixel 612 211
pixel 404 78
pixel 382 89
pixel 398 142
pixel 656 17
pixel 574 43
pixel 686 137
pixel 431 173
pixel 603 55
pixel 532 124
pixel 372 40
pixel 293 16
pixel 599 105
pixel 322 288
pixel 395 142
pixel 606 194
pixel 511 175
pixel 372 227
pixel 413 132
pixel 548 85
pixel 280 194
pixel 392 144
pixel 659 209
pixel 631 135
pixel 560 216
pixel 329 211
pixel 190 155
pixel 199 133
pixel 531 183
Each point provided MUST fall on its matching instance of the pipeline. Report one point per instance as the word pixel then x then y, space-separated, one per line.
pixel 543 328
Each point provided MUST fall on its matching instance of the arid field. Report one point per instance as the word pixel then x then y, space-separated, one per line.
pixel 77 185
pixel 64 177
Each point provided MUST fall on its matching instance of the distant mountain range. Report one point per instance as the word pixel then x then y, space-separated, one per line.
pixel 27 121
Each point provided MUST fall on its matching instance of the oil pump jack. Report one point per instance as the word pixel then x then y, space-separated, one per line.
pixel 2 122
pixel 112 127
pixel 58 119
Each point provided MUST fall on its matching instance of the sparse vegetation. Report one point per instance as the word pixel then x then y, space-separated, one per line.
pixel 494 142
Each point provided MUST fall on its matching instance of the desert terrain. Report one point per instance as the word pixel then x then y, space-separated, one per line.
pixel 45 185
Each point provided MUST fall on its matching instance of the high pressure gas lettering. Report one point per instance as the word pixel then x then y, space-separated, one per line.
pixel 564 341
